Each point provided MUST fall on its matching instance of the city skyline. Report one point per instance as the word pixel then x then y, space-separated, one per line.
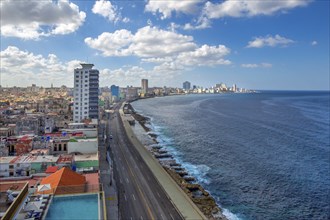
pixel 257 45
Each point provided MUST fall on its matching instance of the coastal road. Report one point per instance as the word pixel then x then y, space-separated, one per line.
pixel 139 194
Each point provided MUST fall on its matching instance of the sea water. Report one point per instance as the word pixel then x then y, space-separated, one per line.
pixel 261 155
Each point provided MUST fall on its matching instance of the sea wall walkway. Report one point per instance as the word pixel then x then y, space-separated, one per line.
pixel 176 195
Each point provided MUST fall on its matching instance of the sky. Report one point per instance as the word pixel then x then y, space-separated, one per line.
pixel 261 44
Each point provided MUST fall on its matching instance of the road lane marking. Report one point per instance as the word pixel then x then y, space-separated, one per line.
pixel 158 194
pixel 161 215
pixel 139 189
pixel 127 180
pixel 171 216
pixel 141 217
pixel 133 196
pixel 120 180
pixel 125 197
pixel 131 218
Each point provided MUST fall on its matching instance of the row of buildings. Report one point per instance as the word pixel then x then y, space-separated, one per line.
pixel 49 146
pixel 218 88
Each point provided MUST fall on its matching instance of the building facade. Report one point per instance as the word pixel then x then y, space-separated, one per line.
pixel 186 85
pixel 114 92
pixel 86 89
pixel 144 86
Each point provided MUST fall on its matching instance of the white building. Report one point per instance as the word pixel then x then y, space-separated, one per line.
pixel 86 88
pixel 83 146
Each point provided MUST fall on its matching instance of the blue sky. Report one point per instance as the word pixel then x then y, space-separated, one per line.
pixel 255 44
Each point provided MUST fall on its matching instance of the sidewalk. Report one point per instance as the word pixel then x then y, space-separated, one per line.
pixel 176 195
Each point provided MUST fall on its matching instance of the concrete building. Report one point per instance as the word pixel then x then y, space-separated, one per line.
pixel 83 146
pixel 86 86
pixel 144 86
pixel 114 92
pixel 186 85
pixel 131 93
pixel 87 129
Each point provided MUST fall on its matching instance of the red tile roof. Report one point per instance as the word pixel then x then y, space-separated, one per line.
pixel 64 181
pixel 51 169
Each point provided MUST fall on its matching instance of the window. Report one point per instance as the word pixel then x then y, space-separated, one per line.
pixel 77 112
pixel 55 148
pixel 64 147
pixel 11 166
pixel 77 80
pixel 60 147
pixel 86 81
pixel 86 76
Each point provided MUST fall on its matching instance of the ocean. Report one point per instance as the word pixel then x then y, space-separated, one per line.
pixel 262 155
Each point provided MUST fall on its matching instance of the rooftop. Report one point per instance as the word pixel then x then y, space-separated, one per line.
pixel 85 157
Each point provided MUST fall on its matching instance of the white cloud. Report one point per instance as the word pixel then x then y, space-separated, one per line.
pixel 250 65
pixel 34 19
pixel 108 10
pixel 254 65
pixel 154 42
pixel 205 56
pixel 314 43
pixel 165 8
pixel 112 44
pixel 202 23
pixel 39 69
pixel 146 42
pixel 270 41
pixel 170 52
pixel 248 8
pixel 154 45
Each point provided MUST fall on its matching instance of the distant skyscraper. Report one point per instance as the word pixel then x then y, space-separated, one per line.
pixel 186 85
pixel 86 93
pixel 144 86
pixel 234 88
pixel 114 90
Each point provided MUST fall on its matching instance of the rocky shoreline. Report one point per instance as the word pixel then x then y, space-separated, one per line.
pixel 204 201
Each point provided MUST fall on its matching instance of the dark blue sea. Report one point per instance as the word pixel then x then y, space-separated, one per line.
pixel 262 156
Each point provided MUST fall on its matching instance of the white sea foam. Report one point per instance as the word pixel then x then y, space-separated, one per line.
pixel 230 215
pixel 198 171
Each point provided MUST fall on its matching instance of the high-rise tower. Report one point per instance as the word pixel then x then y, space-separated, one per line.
pixel 186 85
pixel 144 86
pixel 86 93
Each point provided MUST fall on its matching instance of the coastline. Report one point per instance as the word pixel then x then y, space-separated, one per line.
pixel 197 194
